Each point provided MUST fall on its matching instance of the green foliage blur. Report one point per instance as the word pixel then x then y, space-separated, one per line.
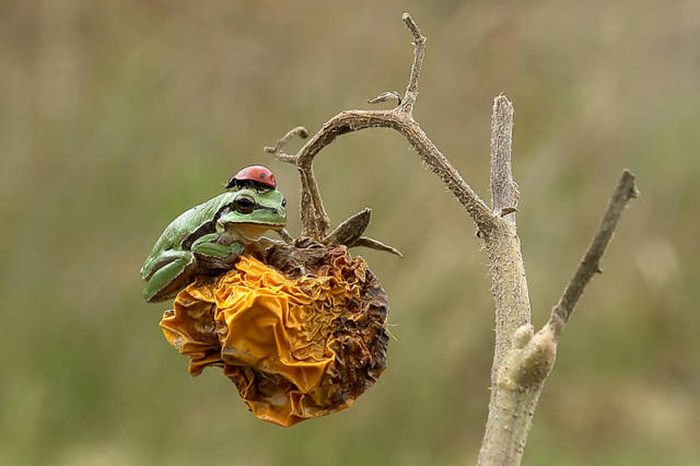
pixel 117 116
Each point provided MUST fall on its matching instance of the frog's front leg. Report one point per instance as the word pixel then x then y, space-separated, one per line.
pixel 214 255
pixel 173 273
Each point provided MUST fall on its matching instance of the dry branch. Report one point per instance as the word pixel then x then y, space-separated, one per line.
pixel 590 263
pixel 315 220
pixel 522 358
pixel 520 377
pixel 509 283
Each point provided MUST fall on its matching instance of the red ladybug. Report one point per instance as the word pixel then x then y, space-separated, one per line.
pixel 254 174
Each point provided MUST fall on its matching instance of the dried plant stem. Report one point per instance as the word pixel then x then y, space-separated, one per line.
pixel 509 286
pixel 522 358
pixel 523 370
pixel 590 263
pixel 314 218
pixel 504 191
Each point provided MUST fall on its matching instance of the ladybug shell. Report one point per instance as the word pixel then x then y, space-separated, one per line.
pixel 257 173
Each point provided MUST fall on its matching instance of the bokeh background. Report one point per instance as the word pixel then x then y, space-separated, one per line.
pixel 117 116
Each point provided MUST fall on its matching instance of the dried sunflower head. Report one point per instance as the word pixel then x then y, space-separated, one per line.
pixel 300 331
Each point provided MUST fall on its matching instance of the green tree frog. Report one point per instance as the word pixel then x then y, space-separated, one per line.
pixel 210 237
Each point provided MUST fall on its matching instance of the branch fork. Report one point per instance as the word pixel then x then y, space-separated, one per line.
pixel 523 358
pixel 314 219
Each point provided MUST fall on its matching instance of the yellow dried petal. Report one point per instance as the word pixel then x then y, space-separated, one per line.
pixel 295 348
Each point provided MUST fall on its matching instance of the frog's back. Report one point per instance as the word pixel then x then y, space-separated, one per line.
pixel 187 222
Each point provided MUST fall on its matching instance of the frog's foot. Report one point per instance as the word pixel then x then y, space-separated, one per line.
pixel 214 257
pixel 161 260
pixel 170 278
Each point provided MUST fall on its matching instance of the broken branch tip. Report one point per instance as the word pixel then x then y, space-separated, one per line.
pixel 419 39
pixel 629 178
pixel 384 96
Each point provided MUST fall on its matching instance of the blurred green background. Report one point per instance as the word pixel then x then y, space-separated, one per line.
pixel 117 116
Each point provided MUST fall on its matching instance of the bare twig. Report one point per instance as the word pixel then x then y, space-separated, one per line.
pixel 299 131
pixel 504 191
pixel 590 263
pixel 315 220
pixel 419 41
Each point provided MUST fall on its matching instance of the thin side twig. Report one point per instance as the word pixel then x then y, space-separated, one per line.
pixel 419 41
pixel 590 263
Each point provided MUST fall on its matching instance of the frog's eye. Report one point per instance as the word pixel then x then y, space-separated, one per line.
pixel 284 202
pixel 244 204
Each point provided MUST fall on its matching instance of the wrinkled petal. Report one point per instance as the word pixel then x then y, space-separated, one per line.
pixel 295 348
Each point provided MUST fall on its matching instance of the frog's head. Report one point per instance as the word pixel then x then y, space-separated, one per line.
pixel 260 209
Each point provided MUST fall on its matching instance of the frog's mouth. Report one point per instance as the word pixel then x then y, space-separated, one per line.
pixel 254 231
